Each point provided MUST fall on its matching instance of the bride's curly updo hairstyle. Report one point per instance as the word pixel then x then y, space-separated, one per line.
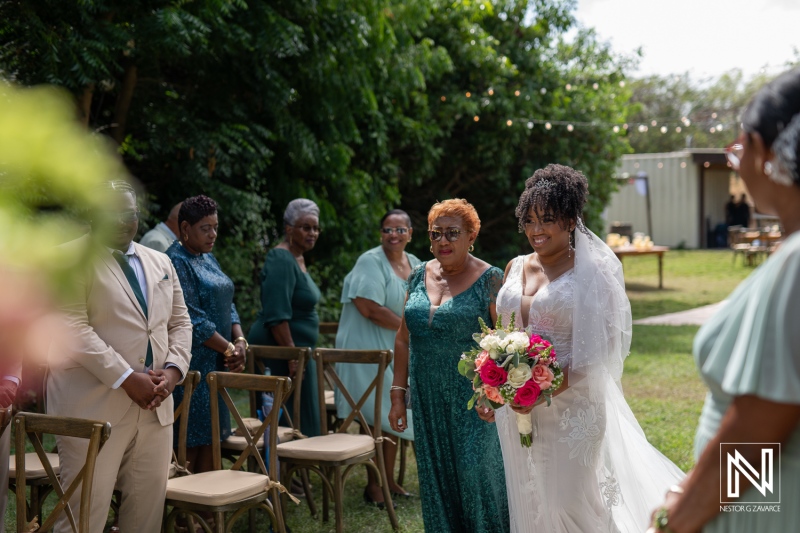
pixel 774 113
pixel 556 190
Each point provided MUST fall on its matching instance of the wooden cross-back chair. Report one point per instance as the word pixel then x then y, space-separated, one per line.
pixel 333 456
pixel 235 490
pixel 178 465
pixel 329 330
pixel 257 355
pixel 32 426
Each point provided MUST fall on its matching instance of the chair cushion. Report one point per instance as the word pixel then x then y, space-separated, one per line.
pixel 235 442
pixel 33 466
pixel 218 487
pixel 285 434
pixel 252 425
pixel 333 447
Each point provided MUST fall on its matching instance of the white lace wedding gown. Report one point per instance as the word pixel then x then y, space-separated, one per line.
pixel 571 479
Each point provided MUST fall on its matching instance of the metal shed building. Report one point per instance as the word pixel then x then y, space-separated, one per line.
pixel 687 195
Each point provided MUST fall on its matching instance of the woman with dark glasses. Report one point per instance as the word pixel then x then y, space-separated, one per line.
pixel 460 465
pixel 748 353
pixel 372 302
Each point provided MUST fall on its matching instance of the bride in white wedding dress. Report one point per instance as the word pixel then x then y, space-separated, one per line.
pixel 590 467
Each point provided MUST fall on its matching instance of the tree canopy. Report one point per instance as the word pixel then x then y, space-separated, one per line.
pixel 360 105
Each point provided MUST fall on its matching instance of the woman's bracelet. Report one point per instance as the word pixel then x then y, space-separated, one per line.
pixel 661 521
pixel 246 344
pixel 396 387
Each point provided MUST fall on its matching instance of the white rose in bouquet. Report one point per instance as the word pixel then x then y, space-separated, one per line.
pixel 492 344
pixel 516 342
pixel 519 375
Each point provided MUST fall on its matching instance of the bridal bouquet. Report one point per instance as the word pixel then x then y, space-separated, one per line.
pixel 511 365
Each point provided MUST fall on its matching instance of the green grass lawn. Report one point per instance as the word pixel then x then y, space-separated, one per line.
pixel 692 278
pixel 660 382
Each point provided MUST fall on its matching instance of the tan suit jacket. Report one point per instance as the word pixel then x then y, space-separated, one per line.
pixel 111 334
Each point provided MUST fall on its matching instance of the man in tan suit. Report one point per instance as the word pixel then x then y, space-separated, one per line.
pixel 133 339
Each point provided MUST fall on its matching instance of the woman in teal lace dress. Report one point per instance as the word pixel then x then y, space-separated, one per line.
pixel 217 340
pixel 460 465
pixel 749 352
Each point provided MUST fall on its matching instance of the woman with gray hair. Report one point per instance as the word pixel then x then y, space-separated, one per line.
pixel 289 298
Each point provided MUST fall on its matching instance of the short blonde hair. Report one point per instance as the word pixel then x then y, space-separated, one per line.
pixel 456 207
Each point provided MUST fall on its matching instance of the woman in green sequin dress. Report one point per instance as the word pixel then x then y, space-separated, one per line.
pixel 460 465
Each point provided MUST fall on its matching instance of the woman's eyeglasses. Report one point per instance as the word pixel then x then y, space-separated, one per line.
pixel 309 229
pixel 451 235
pixel 734 154
pixel 390 231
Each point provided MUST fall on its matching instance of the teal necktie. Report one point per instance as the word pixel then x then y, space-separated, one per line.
pixel 127 269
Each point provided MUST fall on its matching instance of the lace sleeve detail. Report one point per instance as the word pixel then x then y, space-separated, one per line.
pixel 416 276
pixel 494 282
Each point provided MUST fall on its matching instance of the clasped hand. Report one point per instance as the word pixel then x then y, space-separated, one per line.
pixel 149 390
pixel 235 363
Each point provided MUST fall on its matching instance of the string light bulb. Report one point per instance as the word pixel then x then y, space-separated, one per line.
pixel 491 91
pixel 653 123
pixel 616 129
pixel 444 98
pixel 469 94
pixel 569 87
pixel 547 125
pixel 595 86
pixel 516 93
pixel 663 129
pixel 509 122
pixel 476 118
pixel 570 127
pixel 678 129
pixel 543 90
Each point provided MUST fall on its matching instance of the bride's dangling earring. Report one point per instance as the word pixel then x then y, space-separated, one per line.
pixel 571 243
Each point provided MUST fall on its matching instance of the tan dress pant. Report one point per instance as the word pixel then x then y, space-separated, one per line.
pixel 136 460
pixel 5 450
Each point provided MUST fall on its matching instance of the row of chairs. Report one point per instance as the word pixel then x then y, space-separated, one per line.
pixel 334 454
pixel 752 243
pixel 226 492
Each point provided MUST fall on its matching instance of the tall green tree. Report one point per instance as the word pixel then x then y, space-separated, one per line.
pixel 360 105
pixel 513 69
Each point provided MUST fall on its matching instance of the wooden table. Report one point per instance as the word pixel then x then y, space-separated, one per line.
pixel 622 251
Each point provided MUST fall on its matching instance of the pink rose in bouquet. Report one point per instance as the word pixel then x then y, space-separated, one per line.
pixel 493 375
pixel 535 341
pixel 528 393
pixel 543 376
pixel 482 358
pixel 493 393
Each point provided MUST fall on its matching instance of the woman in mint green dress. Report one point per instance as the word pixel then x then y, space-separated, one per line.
pixel 459 461
pixel 372 302
pixel 749 352
pixel 289 298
